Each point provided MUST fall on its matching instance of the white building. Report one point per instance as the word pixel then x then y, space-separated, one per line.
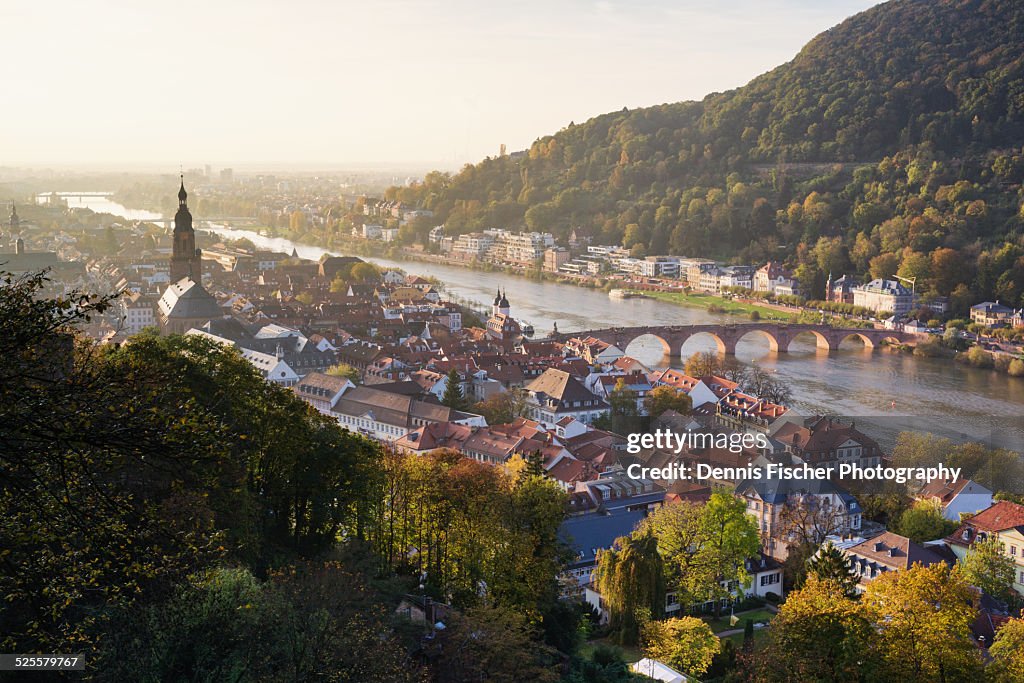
pixel 769 276
pixel 736 276
pixel 527 248
pixel 884 296
pixel 556 394
pixel 372 231
pixel 957 498
pixel 660 266
pixel 139 313
pixel 387 415
pixel 472 245
pixel 272 367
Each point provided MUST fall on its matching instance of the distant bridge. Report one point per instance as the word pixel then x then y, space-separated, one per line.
pixel 779 335
pixel 200 221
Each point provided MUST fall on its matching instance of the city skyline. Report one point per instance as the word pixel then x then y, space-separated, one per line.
pixel 417 83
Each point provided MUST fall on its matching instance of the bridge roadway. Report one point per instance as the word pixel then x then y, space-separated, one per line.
pixel 727 336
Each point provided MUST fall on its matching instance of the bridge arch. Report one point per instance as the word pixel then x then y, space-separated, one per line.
pixel 776 343
pixel 820 340
pixel 722 347
pixel 866 338
pixel 666 345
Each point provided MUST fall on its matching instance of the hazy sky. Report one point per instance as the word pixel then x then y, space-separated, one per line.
pixel 319 81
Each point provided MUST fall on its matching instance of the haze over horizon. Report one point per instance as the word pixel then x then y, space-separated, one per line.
pixel 435 84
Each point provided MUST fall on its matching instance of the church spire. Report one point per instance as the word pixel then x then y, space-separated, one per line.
pixel 186 259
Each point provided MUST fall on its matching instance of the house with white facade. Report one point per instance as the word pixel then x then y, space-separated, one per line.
pixel 556 394
pixel 957 498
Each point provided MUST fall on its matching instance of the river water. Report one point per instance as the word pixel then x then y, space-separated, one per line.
pixel 885 391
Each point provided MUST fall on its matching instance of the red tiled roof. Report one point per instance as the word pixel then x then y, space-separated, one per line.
pixel 999 516
pixel 943 489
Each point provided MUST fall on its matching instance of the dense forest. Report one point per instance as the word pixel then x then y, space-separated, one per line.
pixel 890 144
pixel 171 515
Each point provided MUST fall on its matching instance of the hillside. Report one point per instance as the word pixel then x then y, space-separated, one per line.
pixel 890 142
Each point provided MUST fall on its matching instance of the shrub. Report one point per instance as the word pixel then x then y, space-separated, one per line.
pixel 979 357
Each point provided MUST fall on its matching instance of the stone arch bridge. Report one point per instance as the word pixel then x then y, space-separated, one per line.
pixel 779 335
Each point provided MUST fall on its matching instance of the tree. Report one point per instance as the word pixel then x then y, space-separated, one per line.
pixel 339 286
pixel 624 411
pixel 989 568
pixel 924 522
pixel 347 371
pixel 686 644
pixel 493 644
pixel 663 398
pixel 453 396
pixel 704 545
pixel 807 519
pixel 308 621
pixel 630 579
pixel 702 364
pixel 502 407
pixel 731 537
pixel 832 565
pixel 884 265
pixel 365 272
pixel 924 615
pixel 763 385
pixel 1007 653
pixel 820 634
pixel 97 469
pixel 748 634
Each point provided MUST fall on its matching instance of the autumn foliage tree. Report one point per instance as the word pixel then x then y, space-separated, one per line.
pixel 663 398
pixel 924 616
pixel 822 635
pixel 1007 652
pixel 684 643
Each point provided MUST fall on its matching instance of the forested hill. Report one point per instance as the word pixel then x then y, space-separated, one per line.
pixel 886 141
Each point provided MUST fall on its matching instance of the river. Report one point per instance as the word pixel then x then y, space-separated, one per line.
pixel 886 390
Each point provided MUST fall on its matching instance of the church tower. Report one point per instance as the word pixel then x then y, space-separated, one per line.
pixel 14 221
pixel 186 260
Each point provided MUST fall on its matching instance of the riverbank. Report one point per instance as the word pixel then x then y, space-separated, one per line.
pixel 699 300
pixel 718 304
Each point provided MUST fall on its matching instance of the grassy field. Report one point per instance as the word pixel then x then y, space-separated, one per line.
pixel 760 639
pixel 705 301
pixel 722 623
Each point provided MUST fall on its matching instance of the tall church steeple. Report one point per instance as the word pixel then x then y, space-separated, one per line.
pixel 14 221
pixel 186 260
